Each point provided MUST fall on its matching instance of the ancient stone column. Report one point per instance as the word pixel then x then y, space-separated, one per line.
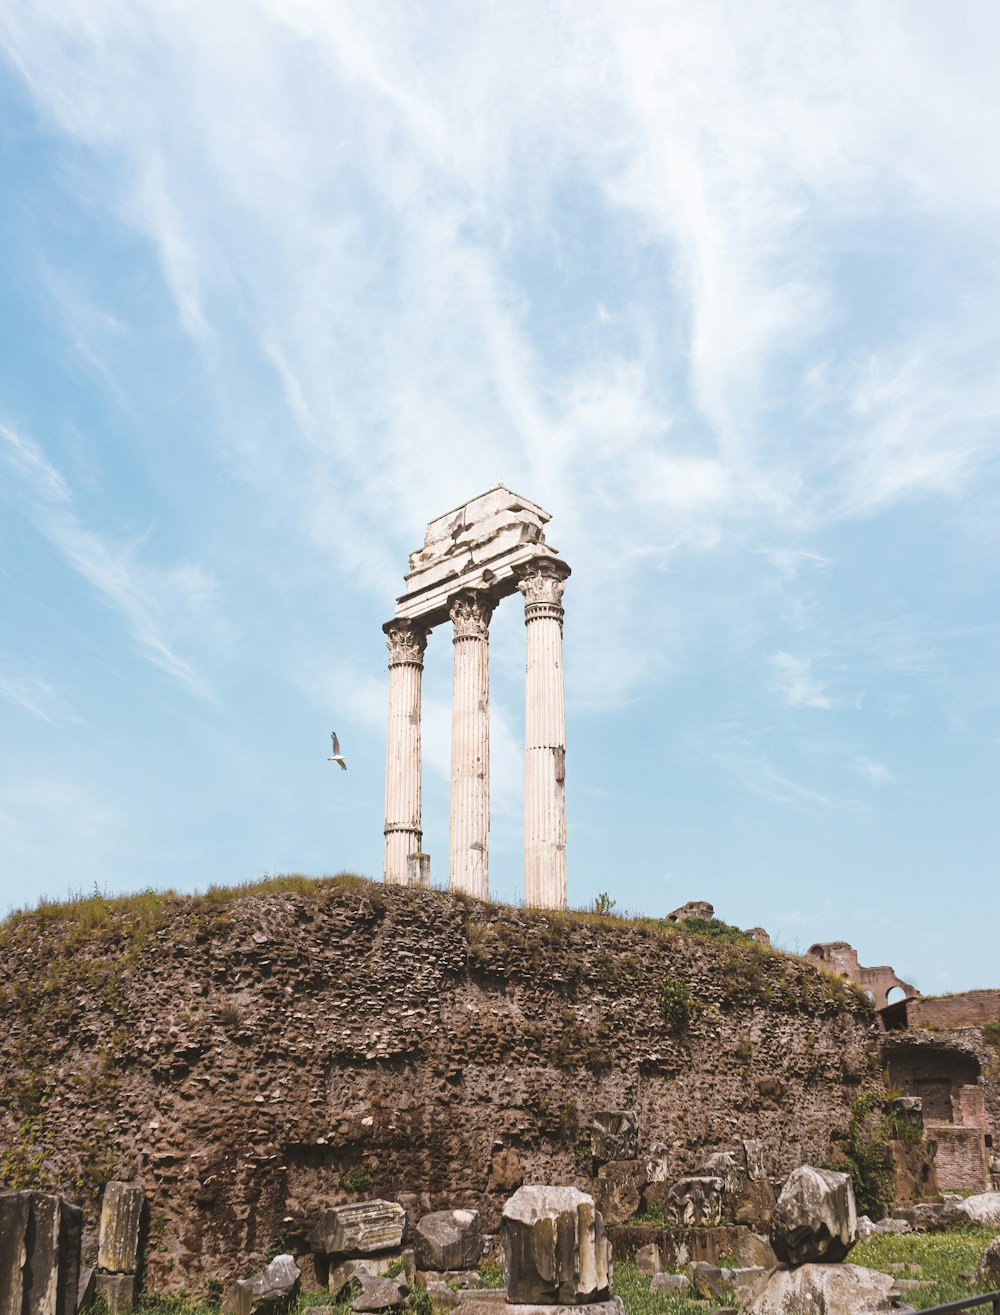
pixel 542 583
pixel 406 641
pixel 470 744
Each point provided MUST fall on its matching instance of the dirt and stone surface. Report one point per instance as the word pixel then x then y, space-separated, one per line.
pixel 255 1060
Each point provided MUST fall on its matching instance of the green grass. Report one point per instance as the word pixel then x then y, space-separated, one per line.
pixel 634 1292
pixel 941 1256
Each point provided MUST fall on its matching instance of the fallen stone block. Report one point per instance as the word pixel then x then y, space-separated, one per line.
pixel 706 1280
pixel 666 1284
pixel 647 1260
pixel 615 1135
pixel 987 1277
pixel 118 1290
pixel 743 1280
pixel 345 1272
pixel 618 1189
pixel 554 1247
pixel 123 1209
pixel 277 1286
pixel 474 1305
pixel 85 1290
pixel 359 1229
pixel 381 1294
pixel 39 1254
pixel 443 1298
pixel 834 1289
pixel 448 1239
pixel 753 1249
pixel 815 1219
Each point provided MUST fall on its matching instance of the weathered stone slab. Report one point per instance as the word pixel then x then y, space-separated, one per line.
pixel 815 1218
pixel 679 1246
pixel 657 1164
pixel 39 1254
pixel 753 1159
pixel 618 1189
pixel 821 1290
pixel 120 1239
pixel 647 1260
pixel 755 1204
pixel 554 1247
pixel 615 1135
pixel 448 1239
pixel 724 1165
pixel 346 1272
pixel 706 1280
pixel 274 1288
pixel 668 1284
pixel 988 1273
pixel 85 1290
pixel 694 1201
pixel 381 1294
pixel 118 1290
pixel 362 1228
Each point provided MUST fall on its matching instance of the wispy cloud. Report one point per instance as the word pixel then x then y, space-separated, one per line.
pixel 36 695
pixel 139 594
pixel 795 683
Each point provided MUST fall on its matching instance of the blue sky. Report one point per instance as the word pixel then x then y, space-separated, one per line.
pixel 717 285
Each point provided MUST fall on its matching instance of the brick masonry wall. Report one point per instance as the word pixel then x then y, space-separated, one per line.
pixel 252 1060
pixel 967 1009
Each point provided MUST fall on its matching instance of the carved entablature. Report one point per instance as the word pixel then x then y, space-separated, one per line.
pixel 479 546
pixel 406 642
pixel 470 614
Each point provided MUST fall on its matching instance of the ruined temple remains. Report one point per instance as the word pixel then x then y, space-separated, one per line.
pixel 473 557
pixel 877 983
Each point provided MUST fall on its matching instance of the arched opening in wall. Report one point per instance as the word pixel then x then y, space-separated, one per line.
pixel 894 995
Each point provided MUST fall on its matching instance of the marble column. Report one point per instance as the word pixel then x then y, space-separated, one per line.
pixel 406 641
pixel 470 745
pixel 542 583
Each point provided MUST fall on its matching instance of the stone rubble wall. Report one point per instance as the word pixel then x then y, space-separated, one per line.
pixel 254 1061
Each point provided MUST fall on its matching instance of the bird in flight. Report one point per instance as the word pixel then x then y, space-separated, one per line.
pixel 336 757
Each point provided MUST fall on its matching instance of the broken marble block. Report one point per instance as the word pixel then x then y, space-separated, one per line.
pixel 381 1293
pixel 615 1135
pixel 555 1251
pixel 39 1254
pixel 815 1218
pixel 361 1229
pixel 118 1290
pixel 448 1239
pixel 694 1201
pixel 618 1189
pixel 647 1260
pixel 275 1287
pixel 122 1210
pixel 821 1290
pixel 668 1284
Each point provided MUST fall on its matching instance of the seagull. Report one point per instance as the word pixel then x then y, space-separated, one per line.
pixel 335 757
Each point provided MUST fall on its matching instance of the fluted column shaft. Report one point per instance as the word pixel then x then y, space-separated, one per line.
pixel 406 641
pixel 470 745
pixel 542 584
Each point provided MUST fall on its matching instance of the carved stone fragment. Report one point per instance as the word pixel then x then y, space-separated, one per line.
pixel 615 1135
pixel 693 1201
pixel 122 1210
pixel 815 1218
pixel 360 1229
pixel 39 1254
pixel 555 1250
pixel 448 1239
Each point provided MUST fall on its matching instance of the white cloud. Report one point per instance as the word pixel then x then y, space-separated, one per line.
pixel 796 684
pixel 143 596
pixel 36 695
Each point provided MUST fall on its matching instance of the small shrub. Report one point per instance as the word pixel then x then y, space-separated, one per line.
pixel 714 929
pixel 605 905
pixel 991 1034
pixel 358 1179
pixel 230 1015
pixel 674 1000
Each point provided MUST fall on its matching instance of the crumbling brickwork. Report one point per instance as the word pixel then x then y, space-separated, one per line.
pixel 253 1060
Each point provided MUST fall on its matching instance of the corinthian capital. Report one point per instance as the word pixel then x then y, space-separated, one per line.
pixel 470 614
pixel 406 641
pixel 542 580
